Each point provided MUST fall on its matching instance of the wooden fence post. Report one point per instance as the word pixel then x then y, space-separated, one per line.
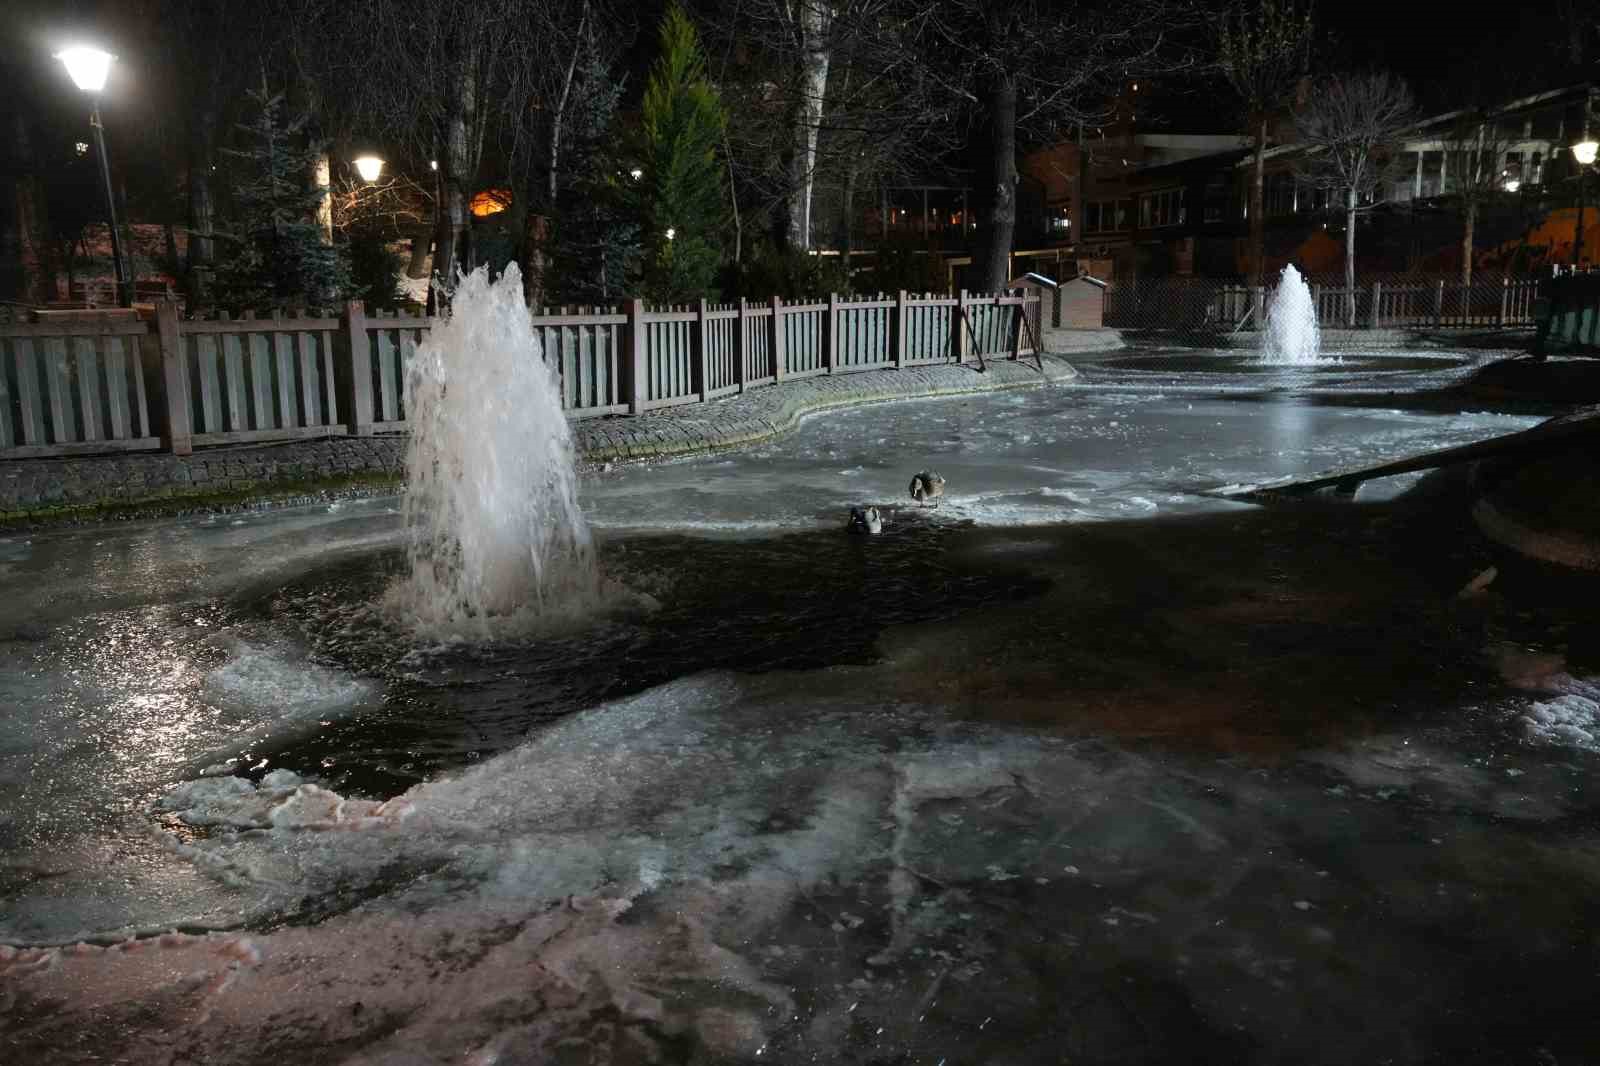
pixel 1377 300
pixel 1016 324
pixel 739 344
pixel 958 331
pixel 1438 304
pixel 179 434
pixel 777 339
pixel 1505 299
pixel 701 370
pixel 637 369
pixel 1316 302
pixel 830 336
pixel 358 361
pixel 901 320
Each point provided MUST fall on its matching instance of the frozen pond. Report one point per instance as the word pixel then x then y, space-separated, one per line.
pixel 1077 766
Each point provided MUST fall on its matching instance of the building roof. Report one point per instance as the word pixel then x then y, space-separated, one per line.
pixel 1443 118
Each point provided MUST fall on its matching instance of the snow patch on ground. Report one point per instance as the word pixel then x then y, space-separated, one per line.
pixel 1572 717
pixel 281 801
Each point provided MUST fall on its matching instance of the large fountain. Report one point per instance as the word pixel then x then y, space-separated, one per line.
pixel 495 534
pixel 1291 337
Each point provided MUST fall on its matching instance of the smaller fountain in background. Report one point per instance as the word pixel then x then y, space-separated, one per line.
pixel 1291 336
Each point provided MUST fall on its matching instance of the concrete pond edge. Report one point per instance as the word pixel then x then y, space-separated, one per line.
pixel 1562 547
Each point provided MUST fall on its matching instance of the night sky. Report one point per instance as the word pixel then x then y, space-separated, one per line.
pixel 1446 47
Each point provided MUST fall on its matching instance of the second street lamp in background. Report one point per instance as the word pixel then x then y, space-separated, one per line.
pixel 88 68
pixel 1583 152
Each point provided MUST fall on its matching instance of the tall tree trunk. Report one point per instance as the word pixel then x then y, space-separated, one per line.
pixel 169 237
pixel 457 173
pixel 1258 218
pixel 202 208
pixel 323 177
pixel 1350 257
pixel 534 238
pixel 14 281
pixel 1002 211
pixel 815 18
pixel 733 199
pixel 1466 247
pixel 558 116
pixel 37 277
pixel 421 245
pixel 847 218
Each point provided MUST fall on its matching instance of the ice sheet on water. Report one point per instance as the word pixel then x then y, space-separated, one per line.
pixel 551 818
pixel 1067 494
pixel 277 677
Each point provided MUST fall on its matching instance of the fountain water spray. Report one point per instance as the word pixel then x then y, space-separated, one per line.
pixel 492 520
pixel 1291 336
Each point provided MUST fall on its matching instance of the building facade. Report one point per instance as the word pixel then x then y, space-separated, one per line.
pixel 1152 204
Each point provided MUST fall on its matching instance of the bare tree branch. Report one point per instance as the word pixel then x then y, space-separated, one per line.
pixel 1351 131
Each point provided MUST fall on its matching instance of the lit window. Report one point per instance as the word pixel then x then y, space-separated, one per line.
pixel 490 202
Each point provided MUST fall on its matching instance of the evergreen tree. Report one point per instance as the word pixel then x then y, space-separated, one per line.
pixel 594 240
pixel 273 253
pixel 680 190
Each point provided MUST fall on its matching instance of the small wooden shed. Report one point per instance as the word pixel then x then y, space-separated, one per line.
pixel 1048 290
pixel 1077 303
pixel 1081 303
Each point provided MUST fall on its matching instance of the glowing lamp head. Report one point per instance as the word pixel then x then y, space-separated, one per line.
pixel 636 173
pixel 369 167
pixel 1512 185
pixel 433 164
pixel 1584 151
pixel 671 233
pixel 87 67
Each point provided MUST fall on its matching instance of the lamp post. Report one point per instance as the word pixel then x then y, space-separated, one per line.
pixel 88 68
pixel 1583 152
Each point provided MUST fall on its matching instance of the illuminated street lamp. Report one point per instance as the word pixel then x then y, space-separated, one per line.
pixel 1583 152
pixel 88 68
pixel 370 167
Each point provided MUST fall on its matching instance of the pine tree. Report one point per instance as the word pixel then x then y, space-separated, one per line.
pixel 272 253
pixel 680 189
pixel 594 239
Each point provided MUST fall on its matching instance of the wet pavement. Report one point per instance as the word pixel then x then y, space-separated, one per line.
pixel 1076 767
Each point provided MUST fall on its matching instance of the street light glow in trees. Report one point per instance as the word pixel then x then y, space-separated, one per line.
pixel 1583 152
pixel 88 68
pixel 370 167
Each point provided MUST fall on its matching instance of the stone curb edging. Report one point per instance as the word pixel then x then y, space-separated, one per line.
pixel 321 471
pixel 782 407
pixel 1515 339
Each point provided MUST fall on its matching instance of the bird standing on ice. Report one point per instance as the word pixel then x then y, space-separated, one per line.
pixel 926 486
